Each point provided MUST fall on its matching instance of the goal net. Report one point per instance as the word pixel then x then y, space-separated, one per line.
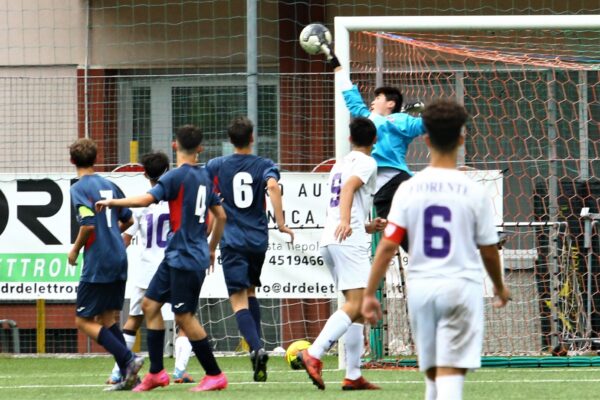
pixel 533 94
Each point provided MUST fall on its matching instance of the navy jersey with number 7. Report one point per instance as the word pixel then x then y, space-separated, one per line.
pixel 189 191
pixel 104 257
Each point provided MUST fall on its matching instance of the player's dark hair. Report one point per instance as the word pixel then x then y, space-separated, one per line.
pixel 362 131
pixel 155 164
pixel 443 121
pixel 189 137
pixel 391 94
pixel 83 152
pixel 240 131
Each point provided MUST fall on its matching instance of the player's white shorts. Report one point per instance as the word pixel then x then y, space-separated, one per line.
pixel 446 317
pixel 349 265
pixel 135 304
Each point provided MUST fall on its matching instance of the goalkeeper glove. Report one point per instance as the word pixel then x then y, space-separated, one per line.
pixel 330 55
pixel 416 107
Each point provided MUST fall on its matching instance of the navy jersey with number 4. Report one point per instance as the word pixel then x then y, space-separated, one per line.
pixel 241 180
pixel 189 191
pixel 104 256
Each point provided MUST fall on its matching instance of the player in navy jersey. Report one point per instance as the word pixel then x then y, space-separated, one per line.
pixel 188 255
pixel 101 289
pixel 151 226
pixel 241 178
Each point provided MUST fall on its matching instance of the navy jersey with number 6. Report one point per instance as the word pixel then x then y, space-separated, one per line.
pixel 104 256
pixel 189 191
pixel 241 180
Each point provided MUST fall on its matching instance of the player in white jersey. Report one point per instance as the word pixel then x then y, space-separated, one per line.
pixel 396 130
pixel 345 249
pixel 450 226
pixel 151 225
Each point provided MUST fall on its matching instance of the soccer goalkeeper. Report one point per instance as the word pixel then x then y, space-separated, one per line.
pixel 395 131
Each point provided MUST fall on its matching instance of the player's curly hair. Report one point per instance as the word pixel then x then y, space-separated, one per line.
pixel 155 164
pixel 240 131
pixel 189 138
pixel 443 121
pixel 391 94
pixel 83 152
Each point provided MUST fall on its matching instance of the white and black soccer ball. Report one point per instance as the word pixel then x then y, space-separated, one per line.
pixel 313 36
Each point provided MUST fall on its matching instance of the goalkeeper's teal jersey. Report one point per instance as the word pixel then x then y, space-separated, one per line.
pixel 394 132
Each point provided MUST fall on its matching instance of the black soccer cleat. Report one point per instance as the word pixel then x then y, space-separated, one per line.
pixel 259 360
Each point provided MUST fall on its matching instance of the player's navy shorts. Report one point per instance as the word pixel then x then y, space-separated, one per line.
pixel 241 269
pixel 384 196
pixel 177 286
pixel 95 298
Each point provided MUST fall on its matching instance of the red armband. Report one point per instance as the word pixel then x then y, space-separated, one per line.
pixel 394 233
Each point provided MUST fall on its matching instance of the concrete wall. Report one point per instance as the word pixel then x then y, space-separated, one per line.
pixel 42 32
pixel 38 114
pixel 179 34
pixel 205 34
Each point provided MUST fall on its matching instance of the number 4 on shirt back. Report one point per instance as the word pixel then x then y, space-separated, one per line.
pixel 201 204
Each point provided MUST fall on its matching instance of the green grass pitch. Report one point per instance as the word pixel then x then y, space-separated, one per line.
pixel 83 378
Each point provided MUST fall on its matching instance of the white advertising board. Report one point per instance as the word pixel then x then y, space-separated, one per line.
pixel 37 227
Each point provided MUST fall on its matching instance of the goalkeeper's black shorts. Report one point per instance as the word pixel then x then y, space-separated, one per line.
pixel 383 199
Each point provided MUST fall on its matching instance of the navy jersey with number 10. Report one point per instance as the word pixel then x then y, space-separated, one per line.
pixel 189 191
pixel 241 180
pixel 104 257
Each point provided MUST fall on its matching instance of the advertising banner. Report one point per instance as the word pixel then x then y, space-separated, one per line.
pixel 38 226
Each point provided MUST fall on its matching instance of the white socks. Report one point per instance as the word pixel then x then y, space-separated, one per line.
pixel 129 340
pixel 430 390
pixel 334 328
pixel 449 387
pixel 354 346
pixel 183 351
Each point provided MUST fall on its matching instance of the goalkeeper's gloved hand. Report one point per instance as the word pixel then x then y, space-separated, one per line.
pixel 330 55
pixel 415 107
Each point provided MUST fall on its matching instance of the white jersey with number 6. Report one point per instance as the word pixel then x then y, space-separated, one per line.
pixel 364 167
pixel 446 216
pixel 152 226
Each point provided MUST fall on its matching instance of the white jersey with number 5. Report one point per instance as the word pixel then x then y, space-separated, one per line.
pixel 364 167
pixel 446 216
pixel 152 226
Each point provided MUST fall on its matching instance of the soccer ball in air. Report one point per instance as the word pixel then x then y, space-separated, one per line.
pixel 313 36
pixel 291 354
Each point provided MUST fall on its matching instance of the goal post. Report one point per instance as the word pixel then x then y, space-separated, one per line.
pixel 532 86
pixel 344 25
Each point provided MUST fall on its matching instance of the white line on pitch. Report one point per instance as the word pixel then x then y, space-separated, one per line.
pixel 191 372
pixel 367 371
pixel 419 382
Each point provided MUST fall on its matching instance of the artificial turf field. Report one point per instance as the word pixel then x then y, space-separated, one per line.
pixel 82 378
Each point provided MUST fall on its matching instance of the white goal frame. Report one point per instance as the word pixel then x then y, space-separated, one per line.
pixel 344 25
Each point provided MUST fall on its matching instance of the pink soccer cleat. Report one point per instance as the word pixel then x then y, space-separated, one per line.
pixel 216 382
pixel 152 381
